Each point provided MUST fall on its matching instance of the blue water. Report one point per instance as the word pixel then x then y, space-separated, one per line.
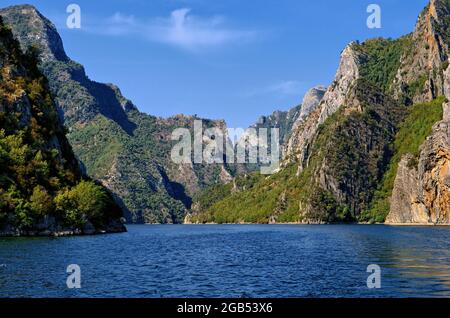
pixel 232 261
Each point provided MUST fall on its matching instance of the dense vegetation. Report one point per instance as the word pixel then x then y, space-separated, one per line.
pixel 254 198
pixel 382 60
pixel 145 188
pixel 352 148
pixel 411 135
pixel 353 159
pixel 351 162
pixel 39 175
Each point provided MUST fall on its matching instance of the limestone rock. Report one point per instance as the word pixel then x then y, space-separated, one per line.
pixel 335 96
pixel 310 101
pixel 406 205
pixel 425 196
pixel 421 64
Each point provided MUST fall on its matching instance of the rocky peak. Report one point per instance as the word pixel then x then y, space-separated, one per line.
pixel 311 100
pixel 335 96
pixel 439 9
pixel 65 76
pixel 420 77
pixel 346 76
pixel 125 103
pixel 33 29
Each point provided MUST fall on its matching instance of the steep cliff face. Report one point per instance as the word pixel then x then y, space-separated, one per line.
pixel 419 78
pixel 351 150
pixel 406 206
pixel 286 121
pixel 422 191
pixel 310 101
pixel 282 120
pixel 128 151
pixel 335 96
pixel 42 191
pixel 79 98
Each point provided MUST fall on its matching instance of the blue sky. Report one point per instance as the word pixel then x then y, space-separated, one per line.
pixel 221 59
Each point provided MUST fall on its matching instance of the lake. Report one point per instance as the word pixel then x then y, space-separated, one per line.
pixel 232 261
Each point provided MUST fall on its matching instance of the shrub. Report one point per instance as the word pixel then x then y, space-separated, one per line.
pixel 84 201
pixel 41 202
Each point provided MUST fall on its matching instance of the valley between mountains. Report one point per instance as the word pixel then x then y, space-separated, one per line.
pixel 372 147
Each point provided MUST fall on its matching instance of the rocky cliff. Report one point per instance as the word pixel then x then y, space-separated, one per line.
pixel 128 151
pixel 422 187
pixel 301 137
pixel 286 121
pixel 375 145
pixel 310 101
pixel 419 77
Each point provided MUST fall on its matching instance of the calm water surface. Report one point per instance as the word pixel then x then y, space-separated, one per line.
pixel 232 261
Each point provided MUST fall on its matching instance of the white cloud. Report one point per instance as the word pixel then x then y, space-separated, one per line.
pixel 180 29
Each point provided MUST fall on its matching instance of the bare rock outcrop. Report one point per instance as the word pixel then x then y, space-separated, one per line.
pixel 419 77
pixel 405 199
pixel 310 101
pixel 424 196
pixel 422 193
pixel 335 96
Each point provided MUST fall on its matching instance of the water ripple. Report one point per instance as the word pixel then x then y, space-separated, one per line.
pixel 232 261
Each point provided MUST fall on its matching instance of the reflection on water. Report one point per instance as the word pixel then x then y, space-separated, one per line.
pixel 232 261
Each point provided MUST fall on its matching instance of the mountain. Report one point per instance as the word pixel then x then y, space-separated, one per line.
pixel 421 190
pixel 42 189
pixel 375 149
pixel 126 150
pixel 287 121
pixel 283 120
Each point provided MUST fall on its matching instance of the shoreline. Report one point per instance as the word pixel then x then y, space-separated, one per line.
pixel 311 223
pixel 110 229
pixel 58 234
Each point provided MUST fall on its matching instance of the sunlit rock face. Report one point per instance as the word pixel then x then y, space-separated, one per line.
pixel 422 192
pixel 334 97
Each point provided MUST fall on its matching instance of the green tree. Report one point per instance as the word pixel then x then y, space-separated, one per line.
pixel 41 202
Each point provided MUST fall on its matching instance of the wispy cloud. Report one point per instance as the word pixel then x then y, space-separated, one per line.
pixel 281 88
pixel 287 88
pixel 181 29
